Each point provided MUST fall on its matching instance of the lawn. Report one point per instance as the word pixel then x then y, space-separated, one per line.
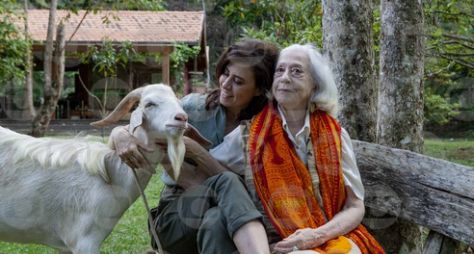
pixel 456 150
pixel 131 234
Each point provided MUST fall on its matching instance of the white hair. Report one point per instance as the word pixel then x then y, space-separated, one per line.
pixel 56 153
pixel 325 96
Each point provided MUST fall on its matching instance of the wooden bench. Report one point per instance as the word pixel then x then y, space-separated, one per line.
pixel 433 193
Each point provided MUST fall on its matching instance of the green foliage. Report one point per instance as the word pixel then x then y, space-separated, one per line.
pixel 107 58
pixel 13 44
pixel 450 31
pixel 182 53
pixel 74 5
pixel 438 110
pixel 449 56
pixel 282 22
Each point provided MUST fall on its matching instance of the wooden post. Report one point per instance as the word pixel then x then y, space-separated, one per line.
pixel 187 81
pixel 165 66
pixel 130 76
pixel 440 244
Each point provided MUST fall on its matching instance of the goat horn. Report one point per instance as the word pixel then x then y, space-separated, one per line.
pixel 121 109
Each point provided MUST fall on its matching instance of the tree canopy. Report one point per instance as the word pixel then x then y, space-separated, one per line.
pixel 449 41
pixel 13 44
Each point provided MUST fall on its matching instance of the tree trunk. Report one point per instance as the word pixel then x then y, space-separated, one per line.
pixel 347 39
pixel 400 109
pixel 401 81
pixel 28 107
pixel 52 88
pixel 59 58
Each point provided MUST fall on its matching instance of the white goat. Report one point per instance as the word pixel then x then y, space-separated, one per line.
pixel 69 194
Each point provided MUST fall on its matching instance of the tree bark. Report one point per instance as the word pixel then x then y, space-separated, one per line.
pixel 347 40
pixel 400 108
pixel 400 113
pixel 431 192
pixel 52 88
pixel 28 107
pixel 59 58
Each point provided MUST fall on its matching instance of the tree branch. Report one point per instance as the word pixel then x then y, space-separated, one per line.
pixel 102 107
pixel 458 54
pixel 458 37
pixel 457 60
pixel 458 42
pixel 79 25
pixel 454 14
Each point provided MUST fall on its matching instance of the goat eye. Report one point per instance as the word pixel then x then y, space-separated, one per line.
pixel 150 104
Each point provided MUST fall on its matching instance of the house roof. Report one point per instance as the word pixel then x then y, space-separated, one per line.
pixel 139 27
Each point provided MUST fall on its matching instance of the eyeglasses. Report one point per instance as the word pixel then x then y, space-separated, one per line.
pixel 295 71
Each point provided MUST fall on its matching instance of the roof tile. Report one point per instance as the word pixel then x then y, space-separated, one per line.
pixel 135 26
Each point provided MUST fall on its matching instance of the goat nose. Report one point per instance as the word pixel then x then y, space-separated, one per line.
pixel 181 117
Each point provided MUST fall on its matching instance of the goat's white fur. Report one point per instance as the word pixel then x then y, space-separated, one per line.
pixel 69 194
pixel 59 154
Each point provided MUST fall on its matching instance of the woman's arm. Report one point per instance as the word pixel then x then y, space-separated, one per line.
pixel 342 223
pixel 201 158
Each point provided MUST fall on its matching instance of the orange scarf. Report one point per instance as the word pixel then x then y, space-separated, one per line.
pixel 284 184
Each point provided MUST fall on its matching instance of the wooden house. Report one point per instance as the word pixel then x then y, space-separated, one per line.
pixel 148 31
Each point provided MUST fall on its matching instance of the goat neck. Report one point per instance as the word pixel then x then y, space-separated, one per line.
pixel 175 147
pixel 147 139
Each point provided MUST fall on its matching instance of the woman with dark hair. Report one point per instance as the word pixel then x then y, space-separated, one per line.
pixel 208 209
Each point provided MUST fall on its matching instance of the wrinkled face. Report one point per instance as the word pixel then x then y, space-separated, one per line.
pixel 163 113
pixel 238 87
pixel 293 85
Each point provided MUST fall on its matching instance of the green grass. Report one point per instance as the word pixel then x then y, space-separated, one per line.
pixel 129 236
pixel 456 150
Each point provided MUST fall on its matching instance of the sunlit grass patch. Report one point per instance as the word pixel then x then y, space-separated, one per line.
pixel 456 150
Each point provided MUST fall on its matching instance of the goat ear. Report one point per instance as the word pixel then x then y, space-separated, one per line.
pixel 136 119
pixel 122 108
pixel 194 134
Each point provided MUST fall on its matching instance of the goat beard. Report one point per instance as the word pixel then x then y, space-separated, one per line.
pixel 176 151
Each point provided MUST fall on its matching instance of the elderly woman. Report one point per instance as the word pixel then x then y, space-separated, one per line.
pixel 302 171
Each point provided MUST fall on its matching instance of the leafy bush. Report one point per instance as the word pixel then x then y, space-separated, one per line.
pixel 438 110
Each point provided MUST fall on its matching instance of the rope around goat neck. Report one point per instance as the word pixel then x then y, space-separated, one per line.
pixel 150 220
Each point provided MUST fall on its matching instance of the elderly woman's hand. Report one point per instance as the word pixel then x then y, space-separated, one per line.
pixel 128 147
pixel 194 150
pixel 301 239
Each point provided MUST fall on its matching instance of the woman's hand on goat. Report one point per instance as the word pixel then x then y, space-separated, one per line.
pixel 128 147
